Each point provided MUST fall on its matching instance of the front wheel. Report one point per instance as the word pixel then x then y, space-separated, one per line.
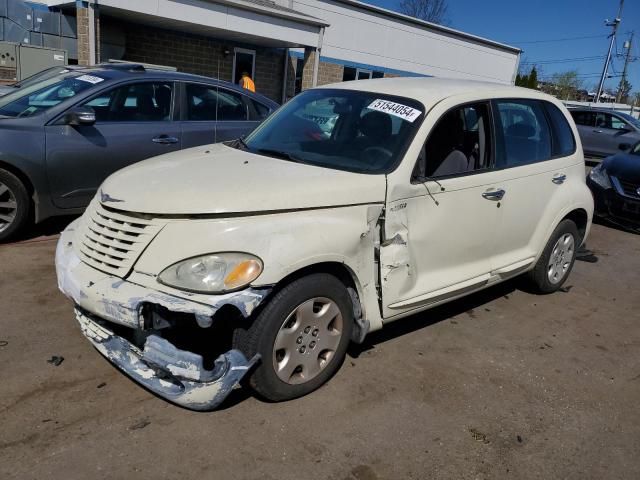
pixel 557 259
pixel 302 336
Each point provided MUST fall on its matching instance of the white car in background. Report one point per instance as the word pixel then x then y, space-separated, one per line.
pixel 354 205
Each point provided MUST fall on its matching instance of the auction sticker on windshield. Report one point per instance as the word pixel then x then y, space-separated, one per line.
pixel 397 109
pixel 90 79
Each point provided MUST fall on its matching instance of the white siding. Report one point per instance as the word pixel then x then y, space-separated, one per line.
pixel 361 36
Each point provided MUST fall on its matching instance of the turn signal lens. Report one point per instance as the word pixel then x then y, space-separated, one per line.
pixel 243 274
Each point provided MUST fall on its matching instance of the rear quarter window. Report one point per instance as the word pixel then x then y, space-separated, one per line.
pixel 564 143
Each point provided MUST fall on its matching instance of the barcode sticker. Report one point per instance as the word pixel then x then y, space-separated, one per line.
pixel 90 79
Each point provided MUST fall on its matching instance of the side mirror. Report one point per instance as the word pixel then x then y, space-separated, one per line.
pixel 80 116
pixel 624 146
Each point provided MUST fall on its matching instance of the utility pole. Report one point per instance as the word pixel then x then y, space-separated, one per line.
pixel 627 58
pixel 614 28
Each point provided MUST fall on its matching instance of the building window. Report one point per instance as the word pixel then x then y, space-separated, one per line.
pixel 244 61
pixel 352 73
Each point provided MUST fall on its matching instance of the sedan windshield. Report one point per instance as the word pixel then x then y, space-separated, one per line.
pixel 40 96
pixel 342 129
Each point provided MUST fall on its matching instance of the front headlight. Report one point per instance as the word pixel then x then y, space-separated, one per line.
pixel 213 273
pixel 599 176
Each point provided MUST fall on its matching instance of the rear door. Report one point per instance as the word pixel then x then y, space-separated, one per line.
pixel 134 122
pixel 586 121
pixel 533 161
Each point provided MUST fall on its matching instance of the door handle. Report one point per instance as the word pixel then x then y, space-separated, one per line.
pixel 494 194
pixel 165 140
pixel 597 131
pixel 559 179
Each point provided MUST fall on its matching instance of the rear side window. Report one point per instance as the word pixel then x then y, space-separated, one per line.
pixel 583 118
pixel 522 133
pixel 210 103
pixel 563 142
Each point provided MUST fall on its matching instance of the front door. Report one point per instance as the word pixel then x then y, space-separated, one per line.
pixel 134 122
pixel 612 132
pixel 440 239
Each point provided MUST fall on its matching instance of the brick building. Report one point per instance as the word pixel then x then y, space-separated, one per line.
pixel 285 45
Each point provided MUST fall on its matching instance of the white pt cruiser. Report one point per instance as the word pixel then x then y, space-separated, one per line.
pixel 352 206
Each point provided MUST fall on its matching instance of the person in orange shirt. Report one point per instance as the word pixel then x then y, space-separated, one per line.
pixel 246 82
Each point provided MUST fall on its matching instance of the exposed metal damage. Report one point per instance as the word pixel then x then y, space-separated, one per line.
pixel 178 375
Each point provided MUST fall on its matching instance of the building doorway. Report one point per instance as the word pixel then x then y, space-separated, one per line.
pixel 243 61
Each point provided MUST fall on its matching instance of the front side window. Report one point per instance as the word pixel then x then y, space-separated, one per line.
pixel 343 129
pixel 40 96
pixel 522 133
pixel 211 103
pixel 138 102
pixel 459 143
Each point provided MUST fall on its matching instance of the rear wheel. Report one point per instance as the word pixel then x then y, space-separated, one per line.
pixel 302 335
pixel 557 259
pixel 14 205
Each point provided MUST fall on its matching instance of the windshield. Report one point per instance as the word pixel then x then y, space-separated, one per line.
pixel 40 96
pixel 632 120
pixel 343 129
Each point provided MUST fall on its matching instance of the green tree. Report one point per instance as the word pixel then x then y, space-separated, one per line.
pixel 567 85
pixel 532 81
pixel 624 92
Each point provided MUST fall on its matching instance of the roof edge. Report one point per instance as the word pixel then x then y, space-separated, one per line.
pixel 433 26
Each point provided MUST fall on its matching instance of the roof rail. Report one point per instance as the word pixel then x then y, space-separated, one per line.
pixel 137 66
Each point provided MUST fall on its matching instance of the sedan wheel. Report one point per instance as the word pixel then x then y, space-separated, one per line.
pixel 14 205
pixel 8 207
pixel 307 340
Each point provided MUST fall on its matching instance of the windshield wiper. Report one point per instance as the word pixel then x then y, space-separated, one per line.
pixel 280 154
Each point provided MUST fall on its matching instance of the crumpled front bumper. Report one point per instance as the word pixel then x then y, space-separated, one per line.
pixel 173 374
pixel 176 375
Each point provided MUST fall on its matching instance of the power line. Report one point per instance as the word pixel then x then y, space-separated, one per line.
pixel 565 60
pixel 562 39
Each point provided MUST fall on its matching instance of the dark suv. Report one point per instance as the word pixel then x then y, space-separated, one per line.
pixel 62 136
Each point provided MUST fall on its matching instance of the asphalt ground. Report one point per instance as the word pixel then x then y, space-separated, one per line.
pixel 501 384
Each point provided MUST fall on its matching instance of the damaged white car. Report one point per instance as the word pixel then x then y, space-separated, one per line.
pixel 354 205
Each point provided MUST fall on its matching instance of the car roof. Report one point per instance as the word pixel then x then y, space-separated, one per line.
pixel 431 90
pixel 121 71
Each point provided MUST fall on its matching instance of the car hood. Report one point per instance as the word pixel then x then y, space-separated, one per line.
pixel 221 180
pixel 624 166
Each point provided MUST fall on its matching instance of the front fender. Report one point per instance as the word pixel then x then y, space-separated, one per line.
pixel 285 242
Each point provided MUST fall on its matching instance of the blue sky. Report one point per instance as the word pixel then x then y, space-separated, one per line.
pixel 519 23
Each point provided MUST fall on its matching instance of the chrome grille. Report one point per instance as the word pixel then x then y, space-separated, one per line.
pixel 111 241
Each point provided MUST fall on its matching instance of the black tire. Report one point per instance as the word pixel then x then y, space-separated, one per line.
pixel 260 336
pixel 12 190
pixel 539 276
